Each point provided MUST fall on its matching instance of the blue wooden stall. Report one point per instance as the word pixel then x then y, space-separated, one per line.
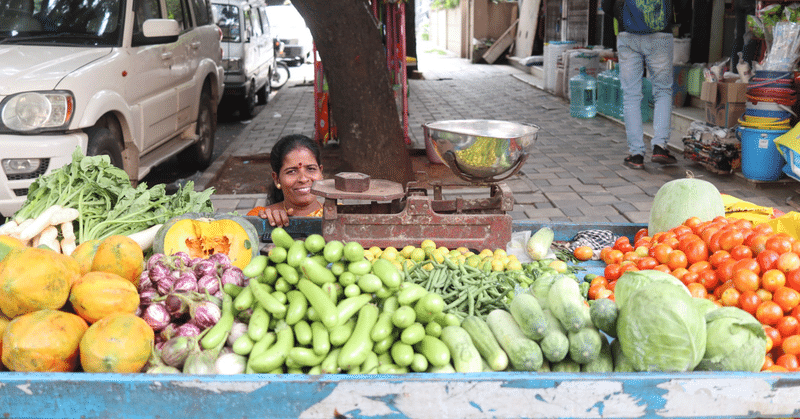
pixel 415 395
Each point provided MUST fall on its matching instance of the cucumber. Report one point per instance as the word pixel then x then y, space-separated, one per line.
pixel 463 352
pixel 585 345
pixel 567 365
pixel 539 243
pixel 541 287
pixel 604 361
pixel 604 313
pixel 523 353
pixel 485 342
pixel 529 316
pixel 567 304
pixel 555 345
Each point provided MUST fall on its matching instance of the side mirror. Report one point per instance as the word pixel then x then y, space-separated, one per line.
pixel 160 31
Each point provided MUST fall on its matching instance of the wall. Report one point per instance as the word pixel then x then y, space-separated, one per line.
pixel 454 29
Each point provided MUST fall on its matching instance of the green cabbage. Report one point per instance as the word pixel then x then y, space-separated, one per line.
pixel 661 329
pixel 631 281
pixel 736 341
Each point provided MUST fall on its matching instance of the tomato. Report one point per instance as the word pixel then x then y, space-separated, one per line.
pixel 623 244
pixel 709 279
pixel 696 251
pixel 772 279
pixel 718 257
pixel 720 289
pixel 767 259
pixel 604 253
pixel 796 247
pixel 643 242
pixel 677 259
pixel 679 273
pixel 793 279
pixel 663 268
pixel 615 256
pixel 764 295
pixel 631 256
pixel 708 233
pixel 611 285
pixel 690 277
pixel 749 264
pixel 773 335
pixel 697 290
pixel 791 344
pixel 583 253
pixel 661 252
pixel 642 232
pixel 763 228
pixel 769 312
pixel 786 298
pixel 725 270
pixel 730 239
pixel 628 267
pixel 788 361
pixel 749 301
pixel 647 262
pixel 741 252
pixel 681 230
pixel 730 297
pixel 594 291
pixel 693 222
pixel 599 279
pixel 757 243
pixel 746 280
pixel 699 266
pixel 779 242
pixel 767 362
pixel 787 325
pixel 788 261
pixel 612 271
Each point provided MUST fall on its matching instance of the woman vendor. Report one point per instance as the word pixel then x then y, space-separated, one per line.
pixel 295 161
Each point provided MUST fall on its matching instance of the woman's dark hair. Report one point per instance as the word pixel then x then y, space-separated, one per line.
pixel 285 145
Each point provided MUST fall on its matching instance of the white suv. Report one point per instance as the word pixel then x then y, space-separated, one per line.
pixel 137 80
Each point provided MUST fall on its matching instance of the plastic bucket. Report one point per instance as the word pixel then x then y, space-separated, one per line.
pixel 761 159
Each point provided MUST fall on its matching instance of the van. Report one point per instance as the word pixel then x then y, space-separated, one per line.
pixel 136 80
pixel 291 30
pixel 248 52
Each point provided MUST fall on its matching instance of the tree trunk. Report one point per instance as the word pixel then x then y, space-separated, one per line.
pixel 349 41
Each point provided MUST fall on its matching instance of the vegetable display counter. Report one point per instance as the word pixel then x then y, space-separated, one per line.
pixel 413 395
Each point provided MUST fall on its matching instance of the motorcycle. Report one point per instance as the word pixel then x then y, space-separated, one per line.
pixel 281 73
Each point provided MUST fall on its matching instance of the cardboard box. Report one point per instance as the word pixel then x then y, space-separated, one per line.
pixel 724 102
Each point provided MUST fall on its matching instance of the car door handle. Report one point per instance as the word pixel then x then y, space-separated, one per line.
pixel 195 45
pixel 166 55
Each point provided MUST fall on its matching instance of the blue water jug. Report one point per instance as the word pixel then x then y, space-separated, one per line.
pixel 603 92
pixel 647 100
pixel 583 95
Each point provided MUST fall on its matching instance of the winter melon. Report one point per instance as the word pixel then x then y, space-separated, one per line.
pixel 680 199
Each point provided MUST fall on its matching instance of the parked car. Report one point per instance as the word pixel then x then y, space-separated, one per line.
pixel 290 28
pixel 248 52
pixel 137 80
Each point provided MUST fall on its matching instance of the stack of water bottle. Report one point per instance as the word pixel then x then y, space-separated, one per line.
pixel 588 95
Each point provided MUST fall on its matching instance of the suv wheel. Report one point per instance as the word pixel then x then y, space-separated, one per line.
pixel 201 152
pixel 103 142
pixel 263 93
pixel 248 105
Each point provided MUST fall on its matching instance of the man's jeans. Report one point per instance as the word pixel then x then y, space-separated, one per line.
pixel 654 51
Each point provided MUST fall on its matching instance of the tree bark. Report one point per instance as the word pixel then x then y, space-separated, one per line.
pixel 349 41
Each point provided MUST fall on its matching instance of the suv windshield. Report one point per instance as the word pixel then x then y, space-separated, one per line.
pixel 227 18
pixel 62 22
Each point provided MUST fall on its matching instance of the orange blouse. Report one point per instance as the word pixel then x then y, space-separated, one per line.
pixel 254 212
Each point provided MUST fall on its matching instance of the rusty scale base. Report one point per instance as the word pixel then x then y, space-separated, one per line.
pixel 381 213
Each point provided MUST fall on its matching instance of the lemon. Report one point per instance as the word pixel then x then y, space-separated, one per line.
pixel 559 265
pixel 443 250
pixel 461 259
pixel 454 253
pixel 407 263
pixel 418 254
pixel 375 250
pixel 485 253
pixel 499 252
pixel 473 260
pixel 462 249
pixel 428 266
pixel 406 252
pixel 514 265
pixel 437 256
pixel 497 265
pixel 369 256
pixel 390 253
pixel 427 243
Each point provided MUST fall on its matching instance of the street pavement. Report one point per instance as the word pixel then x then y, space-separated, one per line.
pixel 573 174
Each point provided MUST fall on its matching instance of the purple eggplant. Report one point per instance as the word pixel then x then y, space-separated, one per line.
pixel 205 267
pixel 205 314
pixel 157 316
pixel 189 330
pixel 221 259
pixel 232 275
pixel 208 283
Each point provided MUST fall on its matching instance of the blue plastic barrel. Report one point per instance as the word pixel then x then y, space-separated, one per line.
pixel 761 159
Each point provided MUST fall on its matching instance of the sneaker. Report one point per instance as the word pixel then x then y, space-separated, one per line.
pixel 661 155
pixel 635 161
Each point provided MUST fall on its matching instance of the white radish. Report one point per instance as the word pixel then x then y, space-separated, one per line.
pixel 145 238
pixel 49 238
pixel 66 215
pixel 67 238
pixel 9 227
pixel 24 224
pixel 41 222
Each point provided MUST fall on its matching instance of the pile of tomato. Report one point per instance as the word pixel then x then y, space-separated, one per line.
pixel 729 261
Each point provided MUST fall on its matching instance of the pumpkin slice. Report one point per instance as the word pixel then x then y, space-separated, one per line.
pixel 202 235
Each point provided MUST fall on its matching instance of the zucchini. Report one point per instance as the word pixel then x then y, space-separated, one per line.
pixel 555 345
pixel 463 353
pixel 585 345
pixel 604 361
pixel 529 316
pixel 485 342
pixel 539 243
pixel 567 304
pixel 523 353
pixel 604 313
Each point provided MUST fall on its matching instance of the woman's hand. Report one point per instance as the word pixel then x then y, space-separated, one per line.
pixel 277 217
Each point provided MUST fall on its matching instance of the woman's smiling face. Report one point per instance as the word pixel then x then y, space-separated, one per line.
pixel 300 169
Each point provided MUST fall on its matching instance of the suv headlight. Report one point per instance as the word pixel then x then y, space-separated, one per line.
pixel 37 111
pixel 232 65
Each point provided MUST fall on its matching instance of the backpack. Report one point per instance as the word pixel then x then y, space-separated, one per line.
pixel 646 16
